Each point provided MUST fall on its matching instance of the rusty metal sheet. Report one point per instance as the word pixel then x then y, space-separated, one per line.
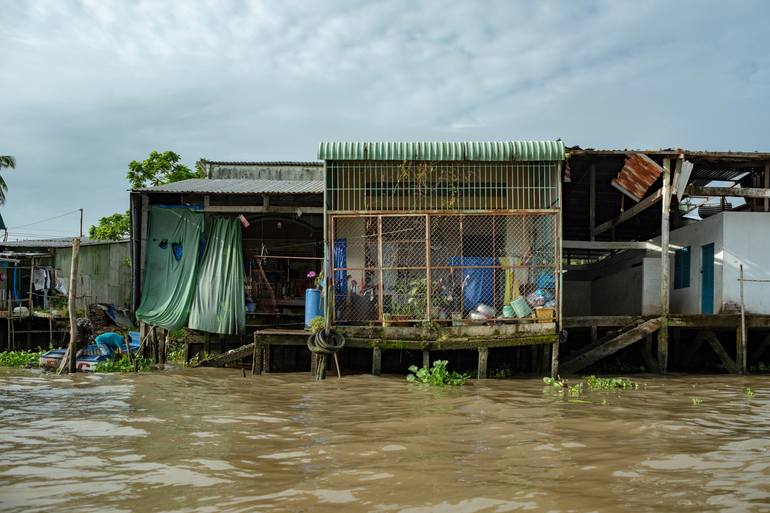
pixel 638 174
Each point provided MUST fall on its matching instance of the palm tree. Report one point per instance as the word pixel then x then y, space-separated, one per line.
pixel 10 163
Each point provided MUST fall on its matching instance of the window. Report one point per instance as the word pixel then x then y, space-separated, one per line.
pixel 682 268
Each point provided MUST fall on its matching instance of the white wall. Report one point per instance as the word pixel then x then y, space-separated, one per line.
pixel 747 242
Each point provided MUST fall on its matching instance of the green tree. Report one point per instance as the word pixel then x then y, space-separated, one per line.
pixel 114 227
pixel 6 161
pixel 157 169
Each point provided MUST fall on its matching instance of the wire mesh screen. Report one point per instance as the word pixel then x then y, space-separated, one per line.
pixel 382 186
pixel 444 267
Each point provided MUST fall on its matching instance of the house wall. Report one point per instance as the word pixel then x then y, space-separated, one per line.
pixel 687 300
pixel 104 273
pixel 618 292
pixel 576 298
pixel 746 242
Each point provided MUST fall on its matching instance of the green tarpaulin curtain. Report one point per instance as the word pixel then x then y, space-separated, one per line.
pixel 171 262
pixel 219 305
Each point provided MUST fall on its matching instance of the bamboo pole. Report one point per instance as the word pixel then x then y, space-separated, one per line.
pixel 72 294
pixel 664 268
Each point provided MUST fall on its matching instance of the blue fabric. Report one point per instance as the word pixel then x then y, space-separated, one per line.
pixel 340 260
pixel 479 283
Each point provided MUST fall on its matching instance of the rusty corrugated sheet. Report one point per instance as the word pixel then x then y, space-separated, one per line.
pixel 638 174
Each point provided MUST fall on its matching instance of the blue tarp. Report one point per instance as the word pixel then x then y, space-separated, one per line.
pixel 479 283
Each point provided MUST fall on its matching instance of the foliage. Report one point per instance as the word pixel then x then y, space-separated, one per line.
pixel 696 401
pixel 555 382
pixel 160 168
pixel 6 161
pixel 748 392
pixel 438 375
pixel 157 169
pixel 20 358
pixel 317 323
pixel 113 227
pixel 175 353
pixel 501 373
pixel 595 383
pixel 123 364
pixel 415 292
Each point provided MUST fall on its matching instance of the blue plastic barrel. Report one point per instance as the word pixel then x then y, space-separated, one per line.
pixel 312 305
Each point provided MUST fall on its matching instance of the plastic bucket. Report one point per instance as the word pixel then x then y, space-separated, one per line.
pixel 312 305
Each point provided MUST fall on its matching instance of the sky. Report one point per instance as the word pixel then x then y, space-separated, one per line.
pixel 88 86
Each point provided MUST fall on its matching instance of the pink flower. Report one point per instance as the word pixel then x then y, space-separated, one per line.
pixel 311 274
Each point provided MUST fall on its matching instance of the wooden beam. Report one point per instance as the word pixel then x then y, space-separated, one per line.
pixel 610 347
pixel 631 212
pixel 260 209
pixel 738 192
pixel 716 345
pixel 664 267
pixel 609 245
pixel 602 321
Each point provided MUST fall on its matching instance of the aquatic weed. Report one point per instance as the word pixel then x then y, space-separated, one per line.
pixel 20 358
pixel 123 364
pixel 438 375
pixel 748 392
pixel 696 401
pixel 595 383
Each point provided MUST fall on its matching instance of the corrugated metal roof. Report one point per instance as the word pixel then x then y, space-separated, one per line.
pixel 63 242
pixel 280 163
pixel 638 174
pixel 486 151
pixel 242 186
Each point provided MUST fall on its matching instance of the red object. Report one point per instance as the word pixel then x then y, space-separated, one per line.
pixel 244 221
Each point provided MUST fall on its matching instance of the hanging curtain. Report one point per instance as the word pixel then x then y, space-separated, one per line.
pixel 171 262
pixel 219 306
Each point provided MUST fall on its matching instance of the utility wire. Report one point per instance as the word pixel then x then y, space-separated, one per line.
pixel 44 220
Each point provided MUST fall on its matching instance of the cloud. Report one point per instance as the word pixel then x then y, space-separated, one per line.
pixel 88 86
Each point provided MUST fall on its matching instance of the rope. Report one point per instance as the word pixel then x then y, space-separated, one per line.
pixel 321 345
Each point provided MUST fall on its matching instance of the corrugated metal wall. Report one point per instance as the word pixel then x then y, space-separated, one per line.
pixel 104 272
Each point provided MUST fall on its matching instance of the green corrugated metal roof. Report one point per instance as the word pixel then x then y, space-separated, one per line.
pixel 489 151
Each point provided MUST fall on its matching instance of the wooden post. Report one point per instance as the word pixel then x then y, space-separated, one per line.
pixel 555 359
pixel 767 185
pixel 592 201
pixel 166 344
pixel 664 268
pixel 426 358
pixel 483 357
pixel 376 361
pixel 71 297
pixel 741 335
pixel 31 287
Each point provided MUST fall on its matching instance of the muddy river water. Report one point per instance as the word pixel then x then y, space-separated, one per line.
pixel 206 440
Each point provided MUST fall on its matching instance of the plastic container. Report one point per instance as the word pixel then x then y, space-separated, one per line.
pixel 312 305
pixel 508 311
pixel 520 307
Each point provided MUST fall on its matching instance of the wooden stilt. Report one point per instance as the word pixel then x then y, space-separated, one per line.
pixel 426 358
pixel 483 357
pixel 71 307
pixel 649 360
pixel 665 268
pixel 555 359
pixel 740 350
pixel 266 358
pixel 376 361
